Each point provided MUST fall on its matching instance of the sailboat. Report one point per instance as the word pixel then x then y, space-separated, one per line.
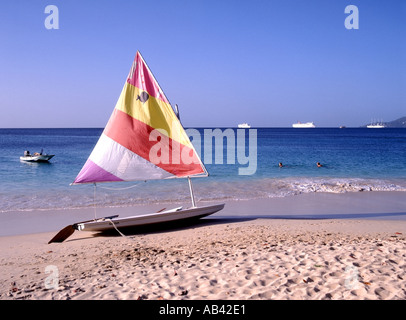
pixel 143 140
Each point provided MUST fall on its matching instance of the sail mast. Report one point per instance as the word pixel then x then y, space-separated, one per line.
pixel 191 192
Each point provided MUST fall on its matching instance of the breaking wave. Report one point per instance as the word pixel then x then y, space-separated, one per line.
pixel 178 191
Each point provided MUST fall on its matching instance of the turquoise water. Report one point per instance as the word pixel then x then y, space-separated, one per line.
pixel 354 159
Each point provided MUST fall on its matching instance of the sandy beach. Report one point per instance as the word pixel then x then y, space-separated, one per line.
pixel 253 250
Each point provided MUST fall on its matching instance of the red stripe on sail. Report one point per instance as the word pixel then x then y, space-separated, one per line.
pixel 135 136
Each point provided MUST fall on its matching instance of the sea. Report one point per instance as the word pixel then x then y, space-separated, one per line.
pixel 353 160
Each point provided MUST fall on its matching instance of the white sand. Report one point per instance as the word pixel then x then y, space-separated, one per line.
pixel 261 258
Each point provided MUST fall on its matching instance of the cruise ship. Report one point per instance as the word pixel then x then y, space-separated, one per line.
pixel 244 125
pixel 303 125
pixel 376 125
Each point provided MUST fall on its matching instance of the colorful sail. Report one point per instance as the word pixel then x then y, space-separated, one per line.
pixel 143 138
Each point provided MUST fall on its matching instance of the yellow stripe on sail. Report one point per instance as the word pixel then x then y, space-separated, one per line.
pixel 153 112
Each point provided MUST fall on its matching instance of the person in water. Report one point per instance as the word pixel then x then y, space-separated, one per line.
pixel 280 165
pixel 319 164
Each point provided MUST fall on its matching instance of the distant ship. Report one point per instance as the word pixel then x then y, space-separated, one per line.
pixel 376 125
pixel 244 125
pixel 303 125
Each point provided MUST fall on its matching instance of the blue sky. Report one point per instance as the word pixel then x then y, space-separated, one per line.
pixel 268 63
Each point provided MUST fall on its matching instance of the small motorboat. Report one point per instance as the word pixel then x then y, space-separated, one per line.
pixel 36 157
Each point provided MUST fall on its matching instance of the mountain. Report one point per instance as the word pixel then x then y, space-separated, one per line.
pixel 399 123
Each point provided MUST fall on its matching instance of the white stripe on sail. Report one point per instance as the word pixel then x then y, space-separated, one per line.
pixel 123 163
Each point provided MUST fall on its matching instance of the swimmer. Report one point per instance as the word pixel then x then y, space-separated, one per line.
pixel 319 164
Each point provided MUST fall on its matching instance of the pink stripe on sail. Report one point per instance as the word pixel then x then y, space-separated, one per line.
pixel 142 78
pixel 91 173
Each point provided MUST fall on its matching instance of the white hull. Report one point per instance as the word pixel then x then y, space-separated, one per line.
pixel 373 126
pixel 177 214
pixel 244 125
pixel 40 158
pixel 304 125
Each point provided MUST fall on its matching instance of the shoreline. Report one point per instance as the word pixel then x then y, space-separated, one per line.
pixel 379 205
pixel 244 189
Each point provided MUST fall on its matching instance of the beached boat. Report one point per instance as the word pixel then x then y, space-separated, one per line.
pixel 244 125
pixel 143 140
pixel 175 214
pixel 303 125
pixel 36 157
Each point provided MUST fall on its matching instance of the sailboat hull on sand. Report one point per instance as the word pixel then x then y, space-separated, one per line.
pixel 176 214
